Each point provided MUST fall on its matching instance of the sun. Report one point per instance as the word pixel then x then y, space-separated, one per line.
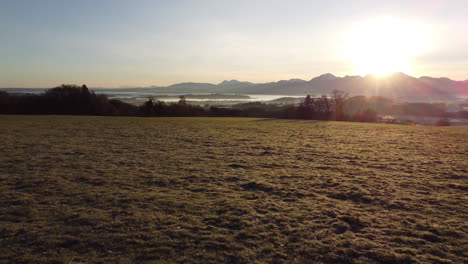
pixel 383 46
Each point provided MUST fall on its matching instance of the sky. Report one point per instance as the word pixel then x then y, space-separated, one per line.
pixel 128 43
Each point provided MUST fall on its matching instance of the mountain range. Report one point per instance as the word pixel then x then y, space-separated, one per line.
pixel 395 85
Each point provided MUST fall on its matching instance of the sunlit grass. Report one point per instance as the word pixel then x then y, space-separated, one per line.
pixel 230 190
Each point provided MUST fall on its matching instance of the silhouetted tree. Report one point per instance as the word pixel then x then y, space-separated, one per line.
pixel 64 100
pixel 338 100
pixel 147 109
pixel 182 100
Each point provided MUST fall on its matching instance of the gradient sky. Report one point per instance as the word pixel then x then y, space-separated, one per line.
pixel 114 43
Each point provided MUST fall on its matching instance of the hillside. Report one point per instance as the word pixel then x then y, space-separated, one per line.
pixel 230 190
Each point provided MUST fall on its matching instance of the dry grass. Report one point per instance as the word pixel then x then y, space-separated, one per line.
pixel 207 190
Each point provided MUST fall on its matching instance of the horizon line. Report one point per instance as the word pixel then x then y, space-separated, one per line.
pixel 227 80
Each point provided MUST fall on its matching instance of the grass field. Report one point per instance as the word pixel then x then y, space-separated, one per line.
pixel 228 190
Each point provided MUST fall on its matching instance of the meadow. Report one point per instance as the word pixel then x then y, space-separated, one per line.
pixel 230 190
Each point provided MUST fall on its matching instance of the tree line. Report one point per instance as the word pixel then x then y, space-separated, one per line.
pixel 76 100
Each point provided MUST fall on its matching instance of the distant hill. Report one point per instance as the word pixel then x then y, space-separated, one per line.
pixel 396 85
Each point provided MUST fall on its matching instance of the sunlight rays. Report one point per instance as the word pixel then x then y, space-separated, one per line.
pixel 383 46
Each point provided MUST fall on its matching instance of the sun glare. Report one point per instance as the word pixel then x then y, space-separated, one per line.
pixel 383 46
